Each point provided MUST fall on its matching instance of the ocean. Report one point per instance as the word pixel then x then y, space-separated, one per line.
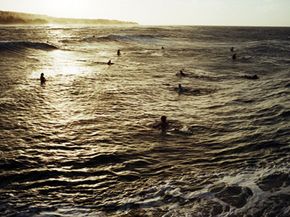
pixel 85 143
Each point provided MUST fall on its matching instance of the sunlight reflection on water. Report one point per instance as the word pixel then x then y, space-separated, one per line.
pixel 60 64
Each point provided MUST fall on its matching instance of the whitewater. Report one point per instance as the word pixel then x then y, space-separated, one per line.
pixel 83 143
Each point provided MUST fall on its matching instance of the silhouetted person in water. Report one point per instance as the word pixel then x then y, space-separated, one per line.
pixel 42 79
pixel 110 62
pixel 162 48
pixel 234 57
pixel 163 125
pixel 181 73
pixel 119 52
pixel 232 49
pixel 180 89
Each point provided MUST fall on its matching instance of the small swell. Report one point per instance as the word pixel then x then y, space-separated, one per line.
pixel 13 164
pixel 194 91
pixel 119 38
pixel 207 78
pixel 285 114
pixel 101 159
pixel 269 47
pixel 19 45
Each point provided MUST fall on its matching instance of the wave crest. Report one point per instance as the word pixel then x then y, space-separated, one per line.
pixel 120 38
pixel 18 45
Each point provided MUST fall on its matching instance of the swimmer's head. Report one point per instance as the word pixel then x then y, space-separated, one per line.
pixel 163 118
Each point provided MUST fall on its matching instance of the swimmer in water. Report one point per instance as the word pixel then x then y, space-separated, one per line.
pixel 119 52
pixel 181 74
pixel 232 49
pixel 180 89
pixel 110 62
pixel 162 125
pixel 42 79
pixel 234 57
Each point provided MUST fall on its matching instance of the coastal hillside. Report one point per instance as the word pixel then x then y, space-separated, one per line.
pixel 10 18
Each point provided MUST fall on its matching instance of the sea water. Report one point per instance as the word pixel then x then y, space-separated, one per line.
pixel 83 143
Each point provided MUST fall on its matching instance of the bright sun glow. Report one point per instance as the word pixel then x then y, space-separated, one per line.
pixel 64 8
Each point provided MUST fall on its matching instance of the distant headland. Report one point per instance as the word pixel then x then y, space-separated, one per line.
pixel 11 18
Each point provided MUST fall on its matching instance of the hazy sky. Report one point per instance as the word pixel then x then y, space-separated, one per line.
pixel 164 12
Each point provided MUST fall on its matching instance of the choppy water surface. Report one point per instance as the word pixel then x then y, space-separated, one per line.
pixel 83 144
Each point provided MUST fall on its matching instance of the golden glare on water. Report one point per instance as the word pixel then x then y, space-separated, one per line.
pixel 60 71
pixel 61 63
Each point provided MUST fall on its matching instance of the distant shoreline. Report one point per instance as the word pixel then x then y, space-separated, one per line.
pixel 17 18
pixel 10 18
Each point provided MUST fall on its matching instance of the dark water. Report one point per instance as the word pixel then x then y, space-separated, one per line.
pixel 83 143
